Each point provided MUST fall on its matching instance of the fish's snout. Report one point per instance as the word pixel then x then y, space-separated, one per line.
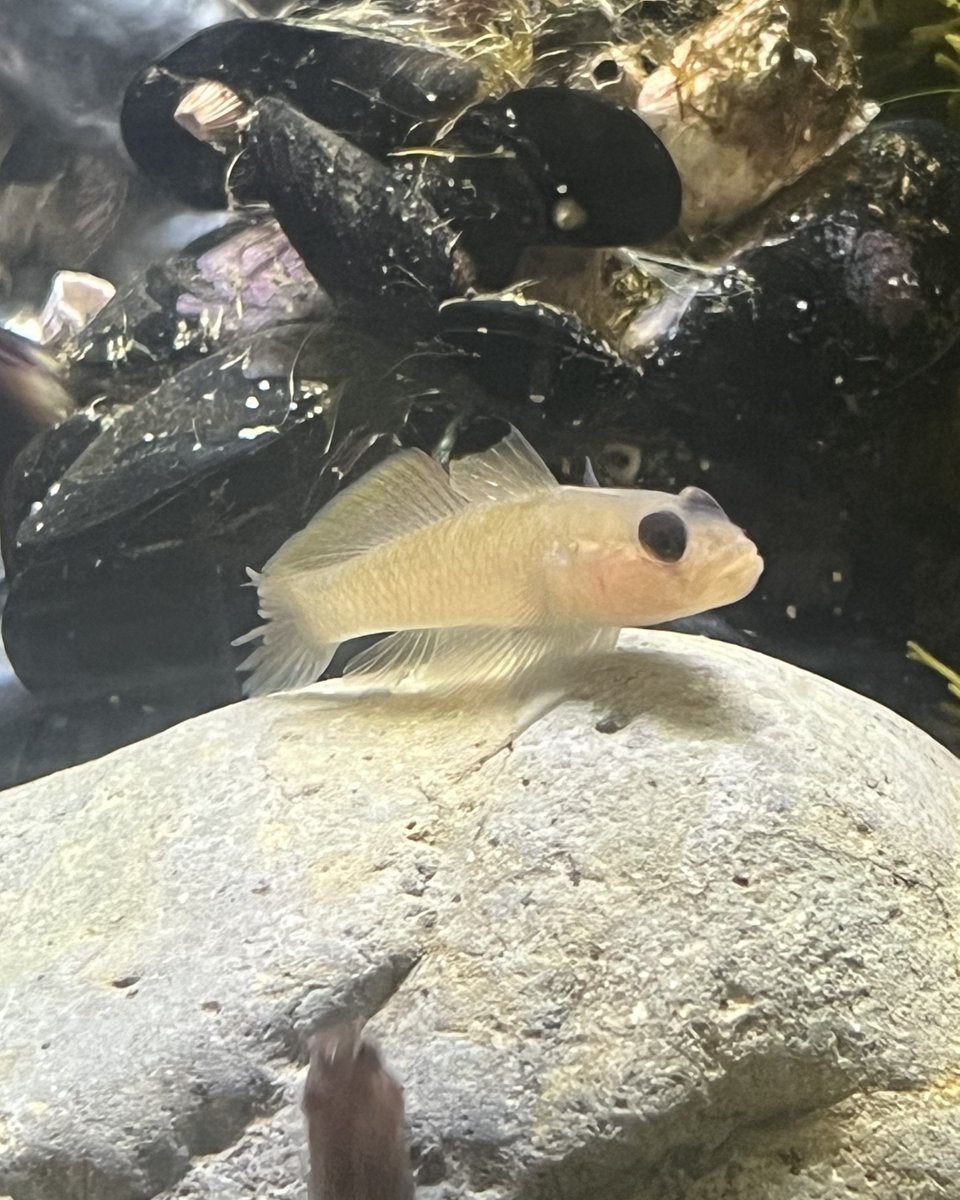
pixel 747 567
pixel 755 565
pixel 732 566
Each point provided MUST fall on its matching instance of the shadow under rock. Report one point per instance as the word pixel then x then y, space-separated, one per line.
pixel 621 685
pixel 626 684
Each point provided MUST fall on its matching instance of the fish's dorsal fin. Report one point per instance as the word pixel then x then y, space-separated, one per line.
pixel 460 660
pixel 407 491
pixel 590 479
pixel 510 470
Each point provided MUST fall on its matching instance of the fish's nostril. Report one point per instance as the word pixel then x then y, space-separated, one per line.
pixel 696 498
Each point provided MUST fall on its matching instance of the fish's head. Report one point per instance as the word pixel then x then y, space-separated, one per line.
pixel 347 1070
pixel 661 556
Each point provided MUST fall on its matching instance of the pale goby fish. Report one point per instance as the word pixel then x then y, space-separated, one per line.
pixel 489 574
pixel 355 1122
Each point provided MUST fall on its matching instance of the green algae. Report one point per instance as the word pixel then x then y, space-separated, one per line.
pixel 919 654
pixel 911 53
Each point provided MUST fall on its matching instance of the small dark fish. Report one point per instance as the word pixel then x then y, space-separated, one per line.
pixel 355 1123
pixel 32 397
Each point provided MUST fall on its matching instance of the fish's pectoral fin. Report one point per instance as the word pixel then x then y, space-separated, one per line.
pixel 468 658
pixel 510 470
pixel 407 491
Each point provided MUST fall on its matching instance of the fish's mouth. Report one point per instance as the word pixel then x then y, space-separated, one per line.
pixel 738 578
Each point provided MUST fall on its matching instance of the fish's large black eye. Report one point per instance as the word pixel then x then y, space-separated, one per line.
pixel 697 498
pixel 664 534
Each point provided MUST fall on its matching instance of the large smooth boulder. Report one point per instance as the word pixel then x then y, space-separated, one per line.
pixel 689 936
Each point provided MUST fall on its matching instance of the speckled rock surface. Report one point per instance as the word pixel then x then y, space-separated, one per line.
pixel 690 936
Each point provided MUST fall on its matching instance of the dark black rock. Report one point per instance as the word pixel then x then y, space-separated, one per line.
pixel 849 284
pixel 365 236
pixel 32 395
pixel 554 375
pixel 243 277
pixel 39 467
pixel 397 236
pixel 371 91
pixel 603 176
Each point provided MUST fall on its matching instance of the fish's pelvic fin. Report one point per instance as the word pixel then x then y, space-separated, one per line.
pixel 461 660
pixel 407 491
pixel 510 470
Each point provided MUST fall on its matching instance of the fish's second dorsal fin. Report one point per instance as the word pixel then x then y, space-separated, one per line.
pixel 407 491
pixel 510 470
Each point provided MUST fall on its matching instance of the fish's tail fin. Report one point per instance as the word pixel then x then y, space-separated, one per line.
pixel 285 659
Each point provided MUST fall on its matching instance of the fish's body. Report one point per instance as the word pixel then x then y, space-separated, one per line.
pixel 487 572
pixel 494 584
pixel 355 1122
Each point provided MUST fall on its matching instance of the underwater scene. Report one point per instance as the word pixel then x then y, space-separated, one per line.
pixel 480 599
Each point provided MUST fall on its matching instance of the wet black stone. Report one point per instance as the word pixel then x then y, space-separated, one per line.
pixel 849 285
pixel 368 90
pixel 364 236
pixel 579 149
pixel 233 281
pixel 551 372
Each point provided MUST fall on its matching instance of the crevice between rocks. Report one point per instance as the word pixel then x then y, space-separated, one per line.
pixel 218 1113
pixel 287 1037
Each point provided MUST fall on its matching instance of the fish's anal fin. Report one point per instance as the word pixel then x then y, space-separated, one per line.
pixel 461 660
pixel 510 470
pixel 407 491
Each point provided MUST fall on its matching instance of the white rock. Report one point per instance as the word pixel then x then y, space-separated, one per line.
pixel 707 953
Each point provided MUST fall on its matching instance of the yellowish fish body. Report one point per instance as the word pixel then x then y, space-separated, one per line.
pixel 481 563
pixel 491 573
